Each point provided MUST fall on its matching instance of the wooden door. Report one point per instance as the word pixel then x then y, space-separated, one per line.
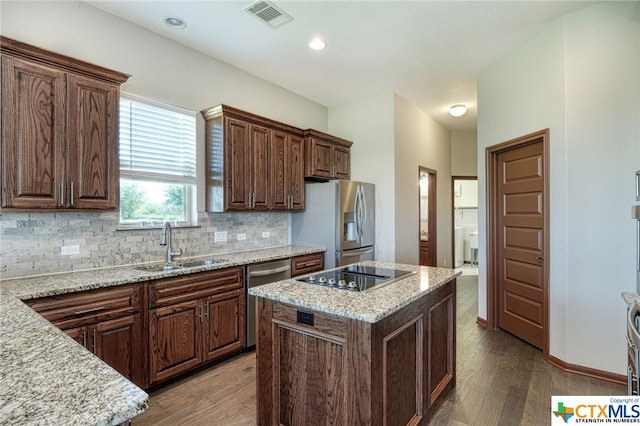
pixel 259 168
pixel 175 339
pixel 427 255
pixel 33 135
pixel 118 342
pixel 224 333
pixel 93 144
pixel 520 215
pixel 236 158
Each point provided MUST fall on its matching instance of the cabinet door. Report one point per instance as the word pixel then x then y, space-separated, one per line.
pixel 33 135
pixel 296 172
pixel 236 158
pixel 118 342
pixel 320 159
pixel 175 339
pixel 79 334
pixel 279 178
pixel 93 144
pixel 225 329
pixel 258 167
pixel 342 162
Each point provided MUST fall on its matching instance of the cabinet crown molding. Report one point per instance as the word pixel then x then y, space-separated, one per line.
pixel 22 50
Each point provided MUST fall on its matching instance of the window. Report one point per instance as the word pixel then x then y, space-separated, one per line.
pixel 157 164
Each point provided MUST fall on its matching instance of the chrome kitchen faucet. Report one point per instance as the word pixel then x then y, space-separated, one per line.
pixel 165 240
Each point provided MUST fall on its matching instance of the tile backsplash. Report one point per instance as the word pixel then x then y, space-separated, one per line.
pixel 31 243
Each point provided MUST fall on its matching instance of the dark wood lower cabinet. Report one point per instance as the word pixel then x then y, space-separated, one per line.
pixel 345 371
pixel 194 319
pixel 108 322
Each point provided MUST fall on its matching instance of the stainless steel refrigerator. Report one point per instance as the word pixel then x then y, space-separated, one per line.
pixel 338 215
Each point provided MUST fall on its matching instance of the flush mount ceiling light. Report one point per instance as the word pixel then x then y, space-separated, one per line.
pixel 175 22
pixel 458 110
pixel 317 44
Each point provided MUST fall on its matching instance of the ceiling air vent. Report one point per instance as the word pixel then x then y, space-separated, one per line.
pixel 269 13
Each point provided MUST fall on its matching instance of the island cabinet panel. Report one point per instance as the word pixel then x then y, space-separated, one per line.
pixel 194 319
pixel 108 322
pixel 59 131
pixel 318 368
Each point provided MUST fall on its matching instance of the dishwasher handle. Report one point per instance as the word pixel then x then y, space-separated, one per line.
pixel 265 272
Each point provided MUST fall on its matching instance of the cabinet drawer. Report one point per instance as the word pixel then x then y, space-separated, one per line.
pixel 88 307
pixel 194 286
pixel 323 323
pixel 306 264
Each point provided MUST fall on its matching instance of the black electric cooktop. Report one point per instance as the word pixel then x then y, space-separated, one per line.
pixel 355 277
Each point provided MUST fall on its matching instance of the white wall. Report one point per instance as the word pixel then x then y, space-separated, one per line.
pixel 580 78
pixel 369 124
pixel 464 153
pixel 420 141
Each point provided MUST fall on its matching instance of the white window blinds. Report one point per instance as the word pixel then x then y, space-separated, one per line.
pixel 156 141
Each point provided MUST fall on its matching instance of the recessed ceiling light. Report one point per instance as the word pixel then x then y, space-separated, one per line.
pixel 458 110
pixel 317 44
pixel 175 22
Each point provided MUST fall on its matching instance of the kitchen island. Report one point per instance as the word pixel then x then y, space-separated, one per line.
pixel 331 356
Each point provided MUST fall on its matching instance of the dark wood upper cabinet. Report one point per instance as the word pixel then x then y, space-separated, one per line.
pixel 327 157
pixel 253 163
pixel 59 147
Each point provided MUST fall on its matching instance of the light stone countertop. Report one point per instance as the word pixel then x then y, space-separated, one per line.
pixel 47 378
pixel 371 306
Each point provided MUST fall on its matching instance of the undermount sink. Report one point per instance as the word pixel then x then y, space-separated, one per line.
pixel 159 268
pixel 204 262
pixel 183 265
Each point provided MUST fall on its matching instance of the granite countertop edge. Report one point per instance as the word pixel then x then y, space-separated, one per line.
pixel 48 378
pixel 34 287
pixel 369 307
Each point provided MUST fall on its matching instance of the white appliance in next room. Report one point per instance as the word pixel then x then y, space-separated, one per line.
pixel 340 216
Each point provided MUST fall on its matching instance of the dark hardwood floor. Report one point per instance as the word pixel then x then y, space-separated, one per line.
pixel 500 381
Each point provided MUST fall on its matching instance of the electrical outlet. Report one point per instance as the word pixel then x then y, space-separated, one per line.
pixel 68 250
pixel 220 236
pixel 266 234
pixel 242 236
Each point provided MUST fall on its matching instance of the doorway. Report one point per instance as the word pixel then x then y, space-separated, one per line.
pixel 465 223
pixel 518 238
pixel 427 226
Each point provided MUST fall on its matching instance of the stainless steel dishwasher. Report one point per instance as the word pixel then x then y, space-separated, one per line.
pixel 262 273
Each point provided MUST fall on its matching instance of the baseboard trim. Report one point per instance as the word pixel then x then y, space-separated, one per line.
pixel 481 322
pixel 586 371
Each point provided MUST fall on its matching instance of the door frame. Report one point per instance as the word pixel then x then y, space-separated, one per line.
pixel 453 214
pixel 432 213
pixel 492 261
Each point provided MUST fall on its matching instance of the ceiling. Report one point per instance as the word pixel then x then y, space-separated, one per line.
pixel 428 52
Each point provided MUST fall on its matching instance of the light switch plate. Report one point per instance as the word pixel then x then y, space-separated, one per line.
pixel 266 234
pixel 220 236
pixel 242 236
